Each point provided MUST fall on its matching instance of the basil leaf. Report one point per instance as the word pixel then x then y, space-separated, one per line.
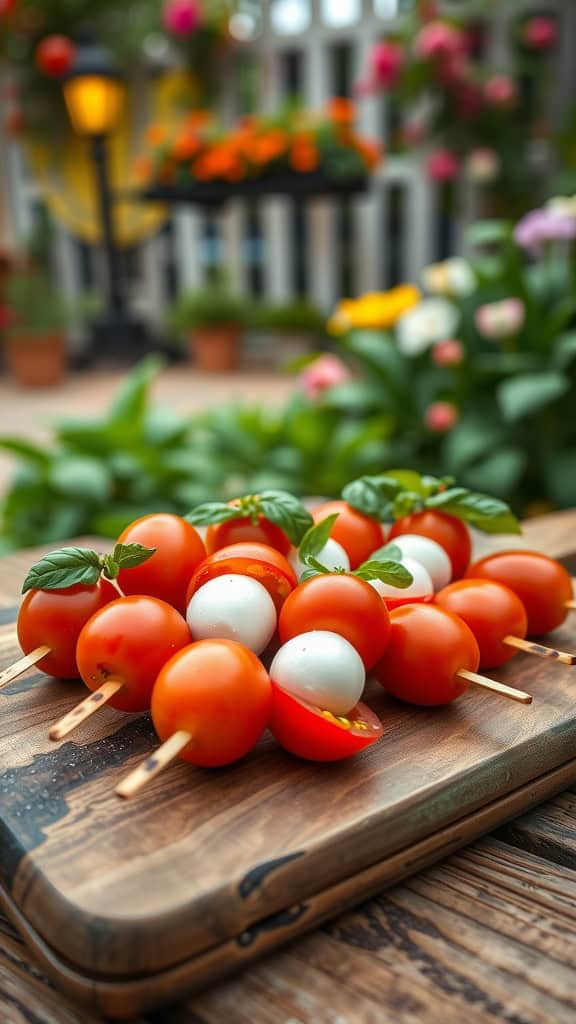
pixel 63 568
pixel 407 502
pixel 127 556
pixel 387 551
pixel 287 512
pixel 394 573
pixel 369 494
pixel 314 568
pixel 110 569
pixel 491 515
pixel 316 537
pixel 213 512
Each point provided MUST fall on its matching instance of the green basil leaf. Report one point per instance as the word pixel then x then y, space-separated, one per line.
pixel 127 556
pixel 287 512
pixel 316 537
pixel 314 568
pixel 490 515
pixel 64 568
pixel 213 512
pixel 394 573
pixel 407 502
pixel 387 551
pixel 111 569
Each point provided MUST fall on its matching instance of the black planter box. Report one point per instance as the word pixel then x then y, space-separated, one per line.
pixel 298 186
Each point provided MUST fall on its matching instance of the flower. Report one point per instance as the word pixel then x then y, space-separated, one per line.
pixel 549 224
pixel 482 165
pixel 500 319
pixel 341 110
pixel 540 33
pixel 430 321
pixel 325 372
pixel 564 205
pixel 442 165
pixel 181 17
pixel 441 417
pixel 448 353
pixel 439 39
pixel 386 62
pixel 374 310
pixel 452 277
pixel 413 132
pixel 501 91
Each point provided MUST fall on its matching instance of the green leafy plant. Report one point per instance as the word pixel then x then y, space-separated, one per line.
pixel 214 305
pixel 69 566
pixel 34 306
pixel 298 316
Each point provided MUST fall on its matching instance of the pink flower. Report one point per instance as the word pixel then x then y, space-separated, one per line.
pixel 325 372
pixel 501 91
pixel 540 33
pixel 181 17
pixel 482 165
pixel 469 98
pixel 440 417
pixel 502 319
pixel 439 39
pixel 442 165
pixel 386 62
pixel 413 132
pixel 448 353
pixel 453 69
pixel 544 225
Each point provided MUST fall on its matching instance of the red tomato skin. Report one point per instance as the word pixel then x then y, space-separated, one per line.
pixel 342 604
pixel 448 531
pixel 220 692
pixel 259 552
pixel 399 602
pixel 276 583
pixel 492 611
pixel 303 730
pixel 541 583
pixel 358 534
pixel 179 551
pixel 427 647
pixel 130 639
pixel 55 618
pixel 238 531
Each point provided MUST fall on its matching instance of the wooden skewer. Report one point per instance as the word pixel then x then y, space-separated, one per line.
pixel 154 764
pixel 89 706
pixel 540 650
pixel 570 605
pixel 500 688
pixel 20 666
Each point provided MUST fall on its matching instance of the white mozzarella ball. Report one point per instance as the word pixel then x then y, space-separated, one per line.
pixel 321 668
pixel 233 607
pixel 420 587
pixel 430 554
pixel 332 556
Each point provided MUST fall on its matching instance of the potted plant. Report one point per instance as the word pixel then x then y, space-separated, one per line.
pixel 297 327
pixel 212 321
pixel 36 318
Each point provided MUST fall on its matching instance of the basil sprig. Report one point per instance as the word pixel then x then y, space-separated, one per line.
pixel 69 566
pixel 384 564
pixel 278 507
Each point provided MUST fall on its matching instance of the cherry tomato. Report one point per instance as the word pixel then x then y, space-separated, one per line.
pixel 492 611
pixel 54 618
pixel 316 735
pixel 427 648
pixel 358 534
pixel 542 585
pixel 277 582
pixel 260 552
pixel 219 692
pixel 237 531
pixel 130 639
pixel 340 604
pixel 450 533
pixel 179 551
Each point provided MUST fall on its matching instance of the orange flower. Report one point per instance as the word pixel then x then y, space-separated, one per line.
pixel 198 119
pixel 155 135
pixel 268 147
pixel 341 110
pixel 142 168
pixel 304 156
pixel 370 151
pixel 185 146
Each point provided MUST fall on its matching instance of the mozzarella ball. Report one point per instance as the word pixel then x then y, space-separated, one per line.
pixel 233 608
pixel 332 556
pixel 321 668
pixel 420 588
pixel 430 554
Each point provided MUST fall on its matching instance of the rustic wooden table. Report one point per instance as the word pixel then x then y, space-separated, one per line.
pixel 487 935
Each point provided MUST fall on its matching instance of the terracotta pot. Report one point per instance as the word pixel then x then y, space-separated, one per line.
pixel 216 349
pixel 36 362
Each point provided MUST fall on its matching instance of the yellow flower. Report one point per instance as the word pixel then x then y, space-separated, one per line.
pixel 374 310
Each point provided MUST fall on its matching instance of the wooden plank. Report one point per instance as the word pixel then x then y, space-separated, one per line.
pixel 549 831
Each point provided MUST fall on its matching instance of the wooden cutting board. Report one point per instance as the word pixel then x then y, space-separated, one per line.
pixel 129 905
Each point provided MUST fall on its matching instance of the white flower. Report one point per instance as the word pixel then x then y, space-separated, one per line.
pixel 429 322
pixel 453 277
pixel 500 319
pixel 565 206
pixel 482 165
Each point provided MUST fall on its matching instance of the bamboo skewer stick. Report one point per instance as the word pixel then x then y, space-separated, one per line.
pixel 499 688
pixel 154 764
pixel 570 605
pixel 85 709
pixel 539 650
pixel 20 666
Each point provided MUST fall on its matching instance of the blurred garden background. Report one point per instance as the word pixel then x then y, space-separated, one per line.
pixel 282 243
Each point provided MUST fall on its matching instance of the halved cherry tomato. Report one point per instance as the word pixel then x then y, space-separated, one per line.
pixel 260 552
pixel 426 649
pixel 342 604
pixel 179 550
pixel 317 735
pixel 130 639
pixel 278 585
pixel 54 618
pixel 492 611
pixel 358 534
pixel 541 583
pixel 450 533
pixel 219 692
pixel 236 531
